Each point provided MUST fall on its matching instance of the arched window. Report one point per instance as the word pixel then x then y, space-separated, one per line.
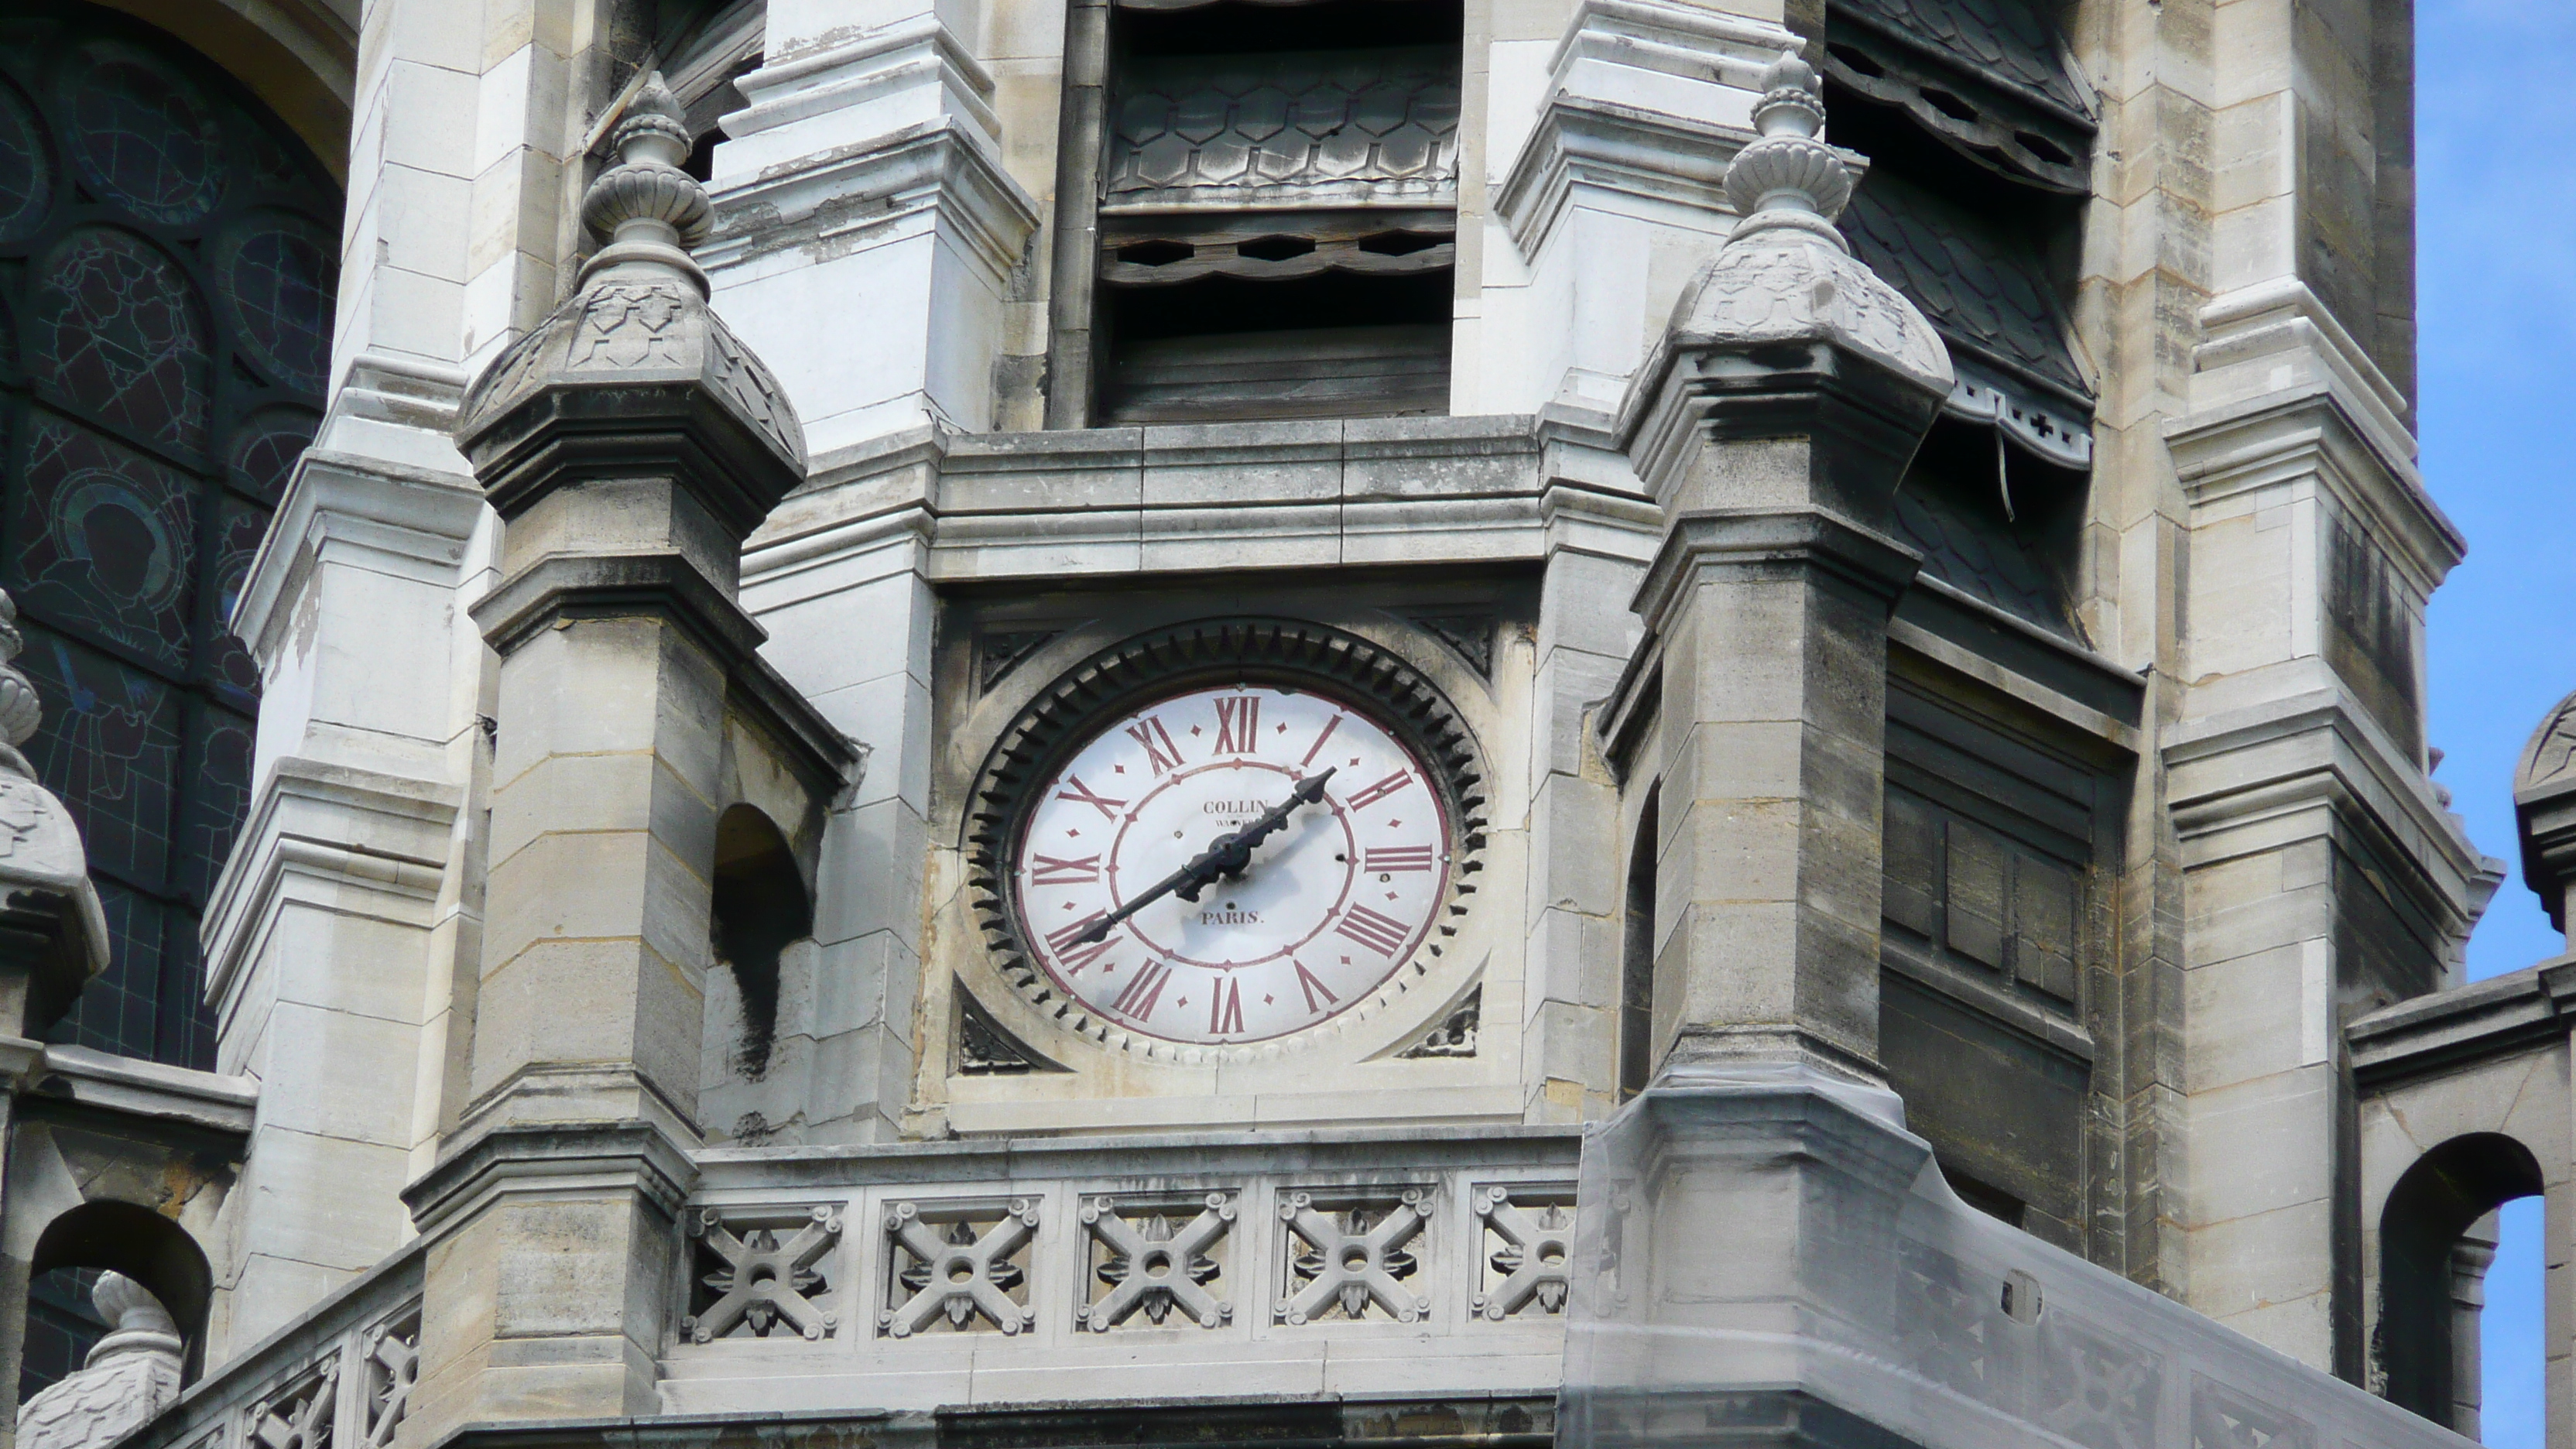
pixel 2435 1241
pixel 1637 956
pixel 168 254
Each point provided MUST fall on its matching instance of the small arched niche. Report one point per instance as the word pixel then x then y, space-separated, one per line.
pixel 2434 1244
pixel 143 1245
pixel 761 908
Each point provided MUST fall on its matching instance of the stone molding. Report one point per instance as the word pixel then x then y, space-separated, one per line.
pixel 1766 539
pixel 2305 765
pixel 934 174
pixel 2294 438
pixel 1921 1321
pixel 551 1160
pixel 1601 151
pixel 1647 103
pixel 836 73
pixel 1131 500
pixel 131 1087
pixel 2482 1022
pixel 559 588
pixel 362 511
pixel 318 833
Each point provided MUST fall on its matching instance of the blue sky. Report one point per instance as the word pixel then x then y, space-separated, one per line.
pixel 2496 223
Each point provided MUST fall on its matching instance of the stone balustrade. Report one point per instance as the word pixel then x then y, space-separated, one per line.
pixel 1271 1263
pixel 340 1377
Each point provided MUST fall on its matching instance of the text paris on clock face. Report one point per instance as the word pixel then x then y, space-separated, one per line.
pixel 1326 904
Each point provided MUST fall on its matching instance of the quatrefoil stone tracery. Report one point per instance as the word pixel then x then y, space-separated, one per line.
pixel 760 1281
pixel 1353 1258
pixel 961 1275
pixel 1538 1247
pixel 1155 1267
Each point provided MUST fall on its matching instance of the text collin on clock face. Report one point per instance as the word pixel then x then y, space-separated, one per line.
pixel 1326 908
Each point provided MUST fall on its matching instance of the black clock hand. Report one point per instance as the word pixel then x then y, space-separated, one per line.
pixel 1225 856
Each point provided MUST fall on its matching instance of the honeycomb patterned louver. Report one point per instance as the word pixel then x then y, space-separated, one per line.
pixel 1378 125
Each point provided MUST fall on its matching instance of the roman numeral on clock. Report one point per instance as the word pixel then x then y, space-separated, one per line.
pixel 1394 858
pixel 1082 794
pixel 1313 985
pixel 1379 791
pixel 1071 952
pixel 1379 933
pixel 1138 1000
pixel 1237 717
pixel 1048 870
pixel 1160 752
pixel 1225 1010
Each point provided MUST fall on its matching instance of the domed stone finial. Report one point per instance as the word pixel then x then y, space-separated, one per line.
pixel 645 207
pixel 132 1375
pixel 1785 274
pixel 1790 177
pixel 20 710
pixel 636 353
pixel 2544 808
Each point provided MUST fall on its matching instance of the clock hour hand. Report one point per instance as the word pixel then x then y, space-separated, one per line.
pixel 1225 856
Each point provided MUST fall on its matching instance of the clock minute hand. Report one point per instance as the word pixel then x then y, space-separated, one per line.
pixel 1227 855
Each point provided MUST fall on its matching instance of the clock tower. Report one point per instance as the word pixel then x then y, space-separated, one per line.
pixel 1423 723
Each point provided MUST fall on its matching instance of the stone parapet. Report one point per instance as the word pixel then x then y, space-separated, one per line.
pixel 1775 1252
pixel 1128 1267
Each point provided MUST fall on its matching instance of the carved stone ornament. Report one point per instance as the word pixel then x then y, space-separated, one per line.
pixel 43 866
pixel 1785 274
pixel 129 1378
pixel 763 1277
pixel 303 1416
pixel 964 1269
pixel 2549 759
pixel 636 345
pixel 1148 1264
pixel 1533 1252
pixel 1354 1258
pixel 2544 807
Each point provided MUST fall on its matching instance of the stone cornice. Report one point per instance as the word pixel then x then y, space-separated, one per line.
pixel 1761 538
pixel 2528 1009
pixel 350 508
pixel 129 1087
pixel 2286 437
pixel 551 1159
pixel 1587 145
pixel 1103 501
pixel 665 586
pixel 2309 762
pixel 932 173
pixel 354 833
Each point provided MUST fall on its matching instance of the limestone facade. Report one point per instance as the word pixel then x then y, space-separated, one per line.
pixel 1886 531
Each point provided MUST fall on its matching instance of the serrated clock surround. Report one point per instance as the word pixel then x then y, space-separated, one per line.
pixel 1308 656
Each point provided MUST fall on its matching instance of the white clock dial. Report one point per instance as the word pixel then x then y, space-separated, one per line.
pixel 1325 909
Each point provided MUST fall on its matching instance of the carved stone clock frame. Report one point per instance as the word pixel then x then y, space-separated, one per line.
pixel 1021 682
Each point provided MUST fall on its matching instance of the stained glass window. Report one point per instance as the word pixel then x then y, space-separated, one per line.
pixel 167 264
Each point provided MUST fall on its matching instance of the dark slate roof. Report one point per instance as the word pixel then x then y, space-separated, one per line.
pixel 2003 41
pixel 1983 561
pixel 1981 285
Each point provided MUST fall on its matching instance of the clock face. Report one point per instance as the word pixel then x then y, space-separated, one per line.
pixel 1324 909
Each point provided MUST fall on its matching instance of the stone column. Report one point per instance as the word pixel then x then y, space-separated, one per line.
pixel 1773 423
pixel 629 443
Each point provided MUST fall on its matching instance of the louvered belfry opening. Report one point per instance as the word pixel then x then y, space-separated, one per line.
pixel 1979 128
pixel 1277 210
